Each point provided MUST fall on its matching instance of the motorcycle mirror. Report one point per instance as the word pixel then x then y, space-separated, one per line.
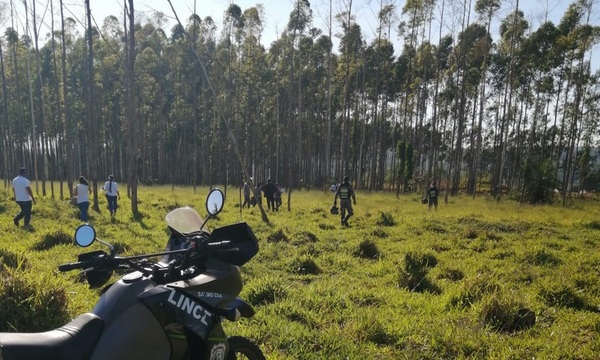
pixel 215 202
pixel 85 235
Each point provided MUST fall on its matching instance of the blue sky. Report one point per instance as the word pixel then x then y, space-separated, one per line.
pixel 277 14
pixel 277 11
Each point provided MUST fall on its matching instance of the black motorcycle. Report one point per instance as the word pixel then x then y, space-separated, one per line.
pixel 169 309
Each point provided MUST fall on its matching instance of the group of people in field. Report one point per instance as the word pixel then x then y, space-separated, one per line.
pixel 272 193
pixel 347 197
pixel 80 197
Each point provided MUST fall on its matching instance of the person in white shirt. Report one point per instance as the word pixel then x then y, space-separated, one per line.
pixel 23 197
pixel 82 191
pixel 112 193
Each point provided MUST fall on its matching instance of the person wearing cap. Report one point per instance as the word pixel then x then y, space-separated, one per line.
pixel 345 193
pixel 112 193
pixel 23 197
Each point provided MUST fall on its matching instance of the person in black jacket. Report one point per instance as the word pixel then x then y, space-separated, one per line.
pixel 269 190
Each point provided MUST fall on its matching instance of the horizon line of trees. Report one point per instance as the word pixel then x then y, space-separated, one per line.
pixel 476 111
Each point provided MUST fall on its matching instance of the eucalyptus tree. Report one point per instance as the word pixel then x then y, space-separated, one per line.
pixel 384 64
pixel 110 72
pixel 41 104
pixel 5 138
pixel 539 59
pixel 471 49
pixel 5 133
pixel 486 10
pixel 18 97
pixel 318 107
pixel 512 30
pixel 418 16
pixel 91 139
pixel 256 109
pixel 379 58
pixel 132 126
pixel 583 36
pixel 33 136
pixel 351 49
pixel 299 21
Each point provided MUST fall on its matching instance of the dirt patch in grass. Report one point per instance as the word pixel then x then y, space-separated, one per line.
pixel 367 249
pixel 277 237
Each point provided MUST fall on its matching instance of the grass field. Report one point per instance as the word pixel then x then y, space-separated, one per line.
pixel 476 279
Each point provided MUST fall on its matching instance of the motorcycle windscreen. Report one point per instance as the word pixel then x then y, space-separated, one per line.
pixel 244 240
pixel 184 220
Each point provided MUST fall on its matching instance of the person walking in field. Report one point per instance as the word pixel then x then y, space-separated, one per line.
pixel 23 197
pixel 111 188
pixel 432 195
pixel 269 191
pixel 247 193
pixel 346 194
pixel 82 191
pixel 278 192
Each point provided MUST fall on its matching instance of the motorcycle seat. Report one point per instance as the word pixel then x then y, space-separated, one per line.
pixel 73 341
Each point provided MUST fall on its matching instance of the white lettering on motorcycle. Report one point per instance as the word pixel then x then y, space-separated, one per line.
pixel 189 306
pixel 210 295
pixel 217 352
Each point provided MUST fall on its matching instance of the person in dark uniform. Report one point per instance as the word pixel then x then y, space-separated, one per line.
pixel 432 194
pixel 346 194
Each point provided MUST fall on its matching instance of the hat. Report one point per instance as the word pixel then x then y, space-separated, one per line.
pixel 22 170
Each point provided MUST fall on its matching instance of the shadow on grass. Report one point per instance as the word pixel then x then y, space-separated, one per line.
pixel 51 240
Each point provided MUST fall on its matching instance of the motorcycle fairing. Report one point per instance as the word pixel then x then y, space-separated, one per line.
pixel 217 286
pixel 174 310
pixel 73 341
pixel 171 306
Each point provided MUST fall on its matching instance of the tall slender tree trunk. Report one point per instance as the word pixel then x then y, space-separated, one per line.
pixel 93 126
pixel 68 131
pixel 44 145
pixel 34 142
pixel 131 110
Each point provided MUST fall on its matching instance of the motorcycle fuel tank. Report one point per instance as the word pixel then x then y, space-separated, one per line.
pixel 131 331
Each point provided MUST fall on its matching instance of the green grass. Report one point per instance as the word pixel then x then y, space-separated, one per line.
pixel 477 279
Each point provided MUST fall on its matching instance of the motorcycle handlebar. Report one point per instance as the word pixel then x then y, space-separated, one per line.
pixel 220 245
pixel 114 262
pixel 73 266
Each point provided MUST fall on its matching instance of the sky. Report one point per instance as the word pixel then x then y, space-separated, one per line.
pixel 276 14
pixel 277 11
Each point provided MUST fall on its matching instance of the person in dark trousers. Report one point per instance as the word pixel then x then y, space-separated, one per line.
pixel 432 195
pixel 278 192
pixel 82 191
pixel 269 190
pixel 23 197
pixel 111 189
pixel 256 197
pixel 247 193
pixel 345 193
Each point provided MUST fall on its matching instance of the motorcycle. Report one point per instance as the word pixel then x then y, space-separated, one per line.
pixel 172 308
